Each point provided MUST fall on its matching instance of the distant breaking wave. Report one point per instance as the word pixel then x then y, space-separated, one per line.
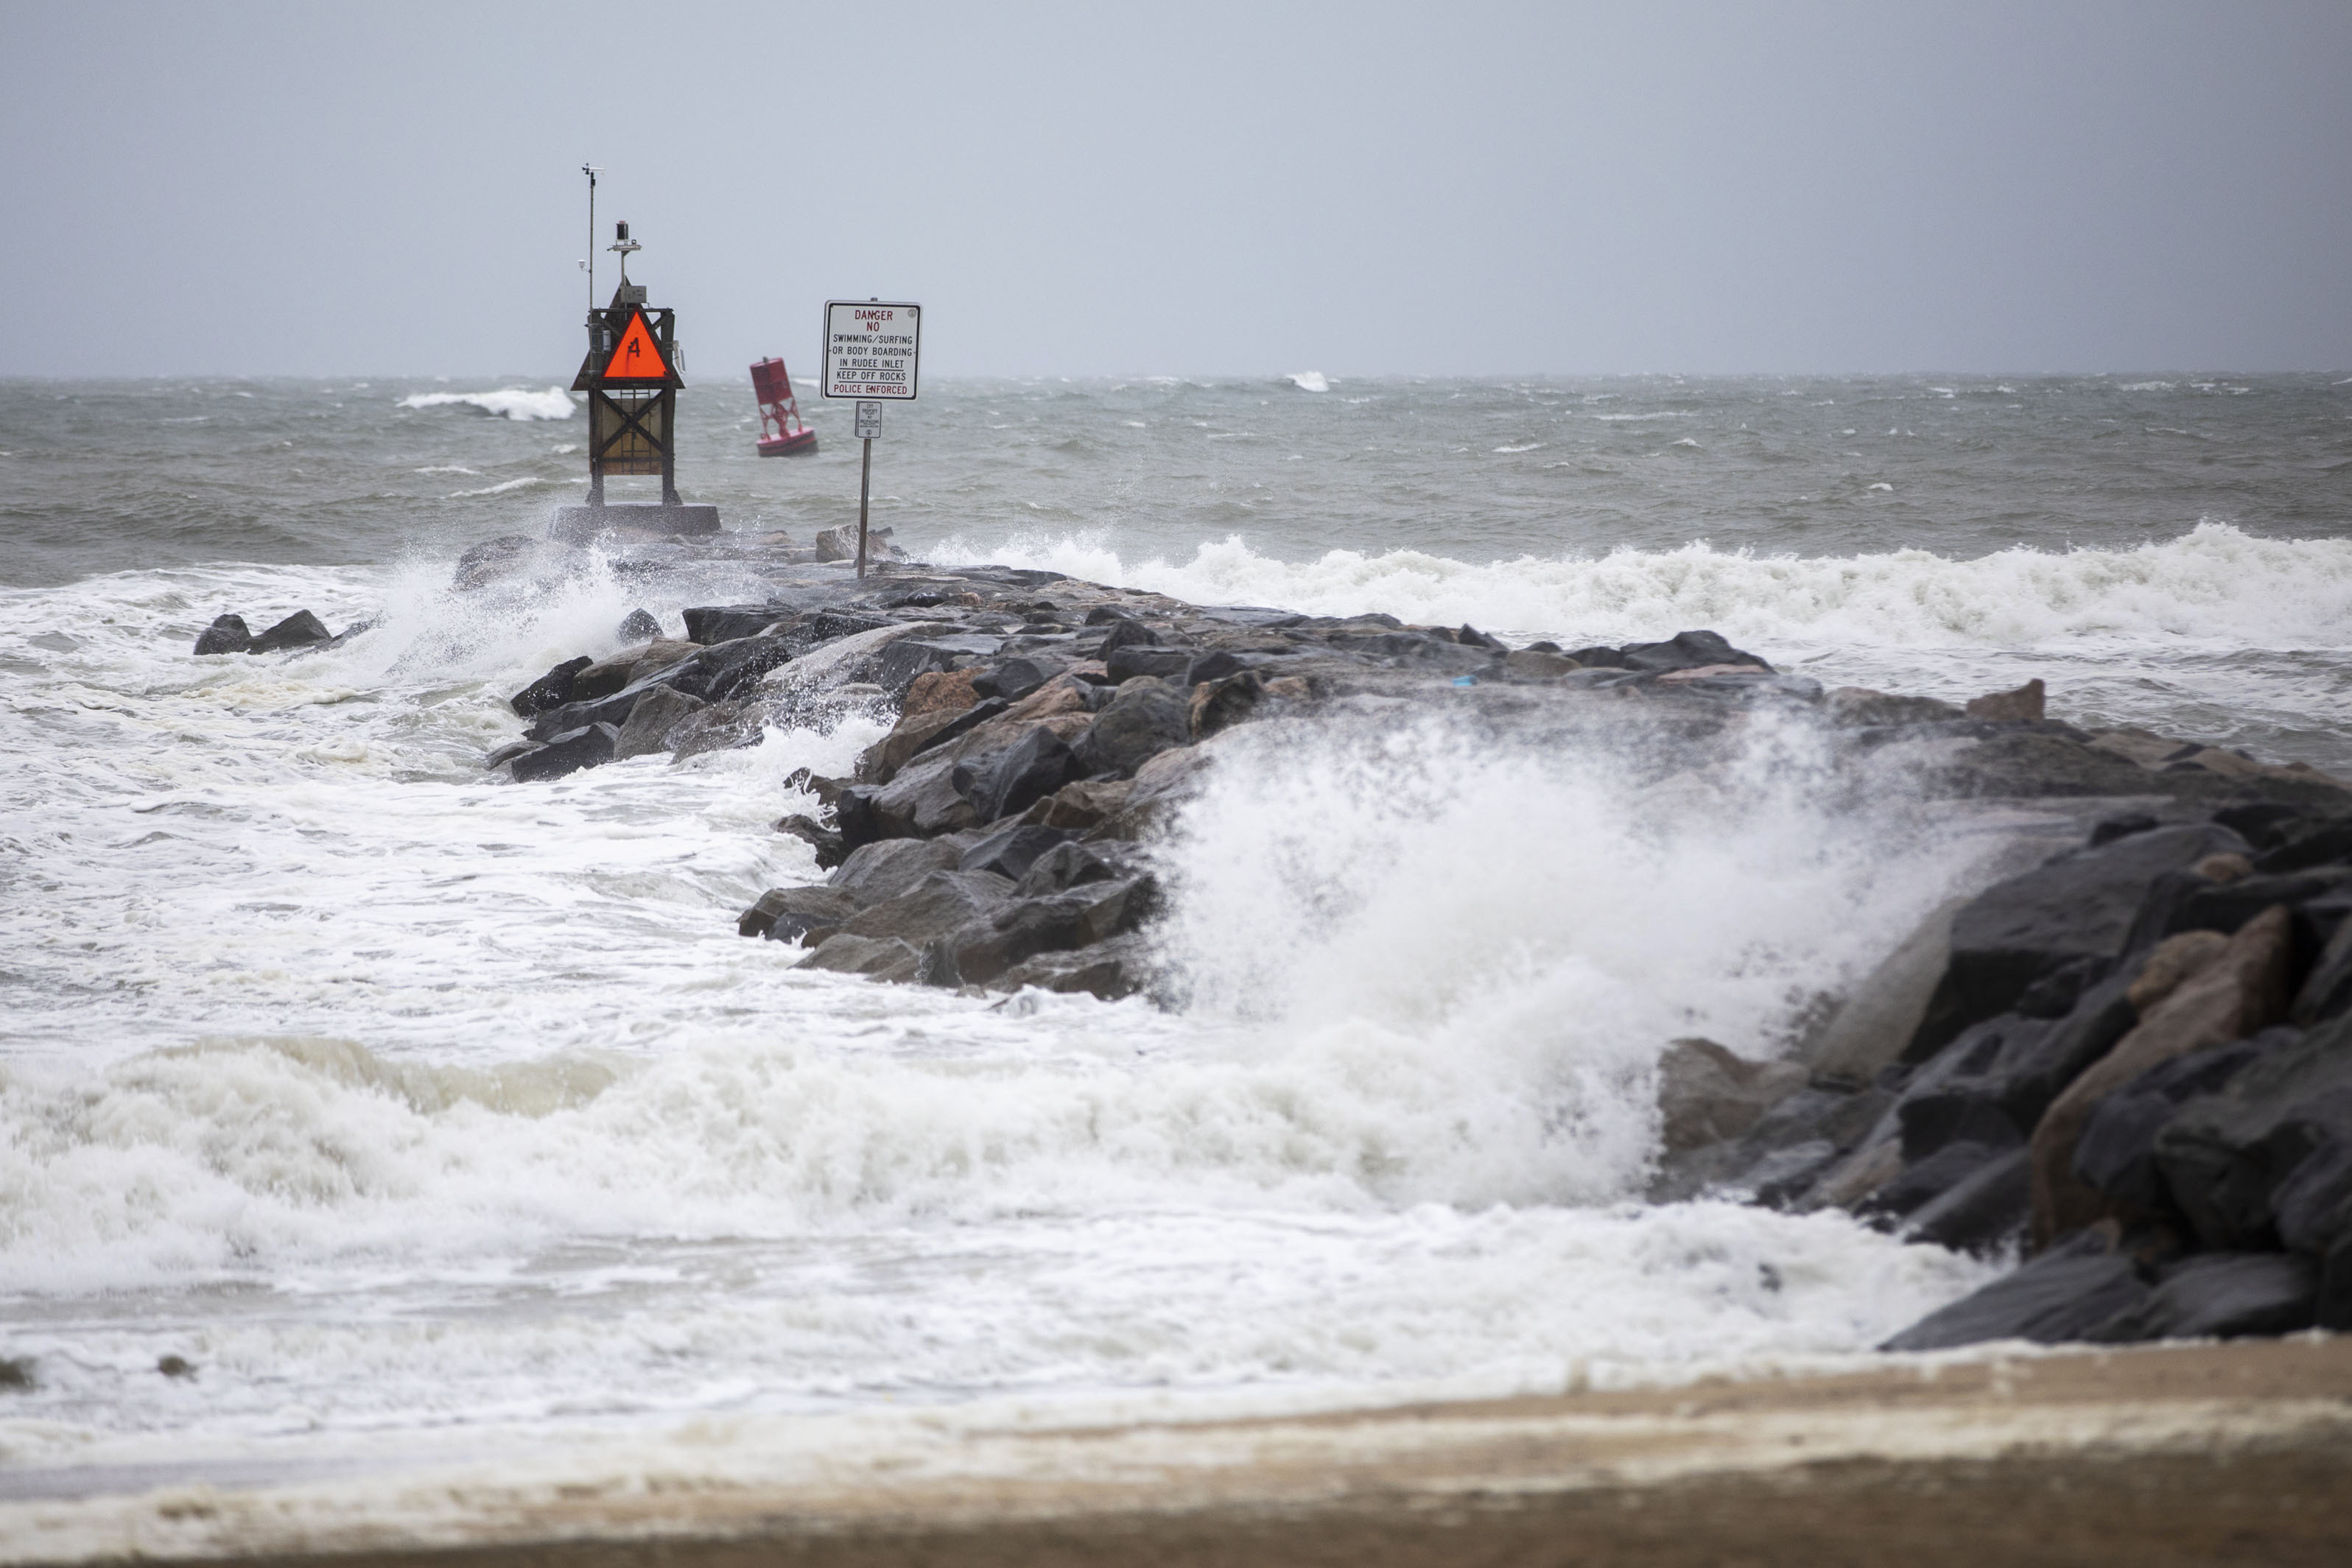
pixel 513 403
pixel 1309 381
pixel 2212 585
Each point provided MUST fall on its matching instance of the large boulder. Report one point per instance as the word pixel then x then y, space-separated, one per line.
pixel 300 629
pixel 651 721
pixel 2327 991
pixel 590 745
pixel 2226 1156
pixel 2116 1153
pixel 1882 1014
pixel 227 634
pixel 1118 968
pixel 1145 718
pixel 708 623
pixel 551 690
pixel 2242 990
pixel 1009 781
pixel 888 867
pixel 940 904
pixel 796 913
pixel 1985 1210
pixel 2076 907
pixel 1707 1094
pixel 1683 651
pixel 2062 1295
pixel 879 958
pixel 605 676
pixel 2221 1295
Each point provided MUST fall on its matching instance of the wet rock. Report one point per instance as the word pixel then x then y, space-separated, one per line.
pixel 1538 663
pixel 2226 1155
pixel 888 867
pixel 1016 678
pixel 2243 990
pixel 652 720
pixel 1883 1013
pixel 709 624
pixel 551 690
pixel 942 903
pixel 721 727
pixel 493 560
pixel 1111 969
pixel 638 626
pixel 1220 703
pixel 1145 718
pixel 2024 705
pixel 1985 1210
pixel 792 913
pixel 590 745
pixel 227 634
pixel 877 957
pixel 1064 866
pixel 1857 707
pixel 2061 1296
pixel 827 841
pixel 2078 906
pixel 1081 807
pixel 2116 1153
pixel 1683 651
pixel 175 1366
pixel 2327 991
pixel 1933 1177
pixel 300 629
pixel 16 1374
pixel 1011 851
pixel 2225 1295
pixel 2328 844
pixel 1126 663
pixel 1011 780
pixel 605 677
pixel 939 691
pixel 1707 1094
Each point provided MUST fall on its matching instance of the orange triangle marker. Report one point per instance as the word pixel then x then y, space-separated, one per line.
pixel 637 356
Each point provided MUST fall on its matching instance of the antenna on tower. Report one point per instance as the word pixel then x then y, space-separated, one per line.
pixel 591 171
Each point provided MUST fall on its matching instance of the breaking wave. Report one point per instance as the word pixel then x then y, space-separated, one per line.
pixel 510 402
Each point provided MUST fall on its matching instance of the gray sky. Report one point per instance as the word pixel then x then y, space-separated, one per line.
pixel 1197 188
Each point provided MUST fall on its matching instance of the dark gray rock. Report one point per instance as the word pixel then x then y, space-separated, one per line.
pixel 2313 1207
pixel 1017 777
pixel 1144 720
pixel 1118 968
pixel 1984 1211
pixel 227 634
pixel 2327 991
pixel 551 691
pixel 1061 922
pixel 1126 632
pixel 590 745
pixel 2116 1153
pixel 657 713
pixel 711 624
pixel 2225 906
pixel 877 958
pixel 639 626
pixel 888 867
pixel 1683 651
pixel 1066 866
pixel 2061 1296
pixel 1923 1181
pixel 830 850
pixel 1015 679
pixel 300 629
pixel 2329 844
pixel 2076 907
pixel 2223 1155
pixel 942 903
pixel 1135 659
pixel 2221 1295
pixel 791 914
pixel 897 666
pixel 1011 851
pixel 1933 1121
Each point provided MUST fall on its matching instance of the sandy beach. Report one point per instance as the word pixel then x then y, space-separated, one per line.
pixel 2180 1454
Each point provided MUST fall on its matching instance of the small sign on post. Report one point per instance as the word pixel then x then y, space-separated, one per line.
pixel 873 351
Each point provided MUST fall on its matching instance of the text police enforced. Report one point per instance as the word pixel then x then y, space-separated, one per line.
pixel 872 348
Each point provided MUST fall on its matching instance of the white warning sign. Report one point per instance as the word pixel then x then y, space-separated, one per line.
pixel 872 348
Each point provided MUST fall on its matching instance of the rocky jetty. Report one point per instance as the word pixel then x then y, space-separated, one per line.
pixel 2128 1060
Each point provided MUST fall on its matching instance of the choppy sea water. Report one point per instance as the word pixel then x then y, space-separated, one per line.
pixel 422 1115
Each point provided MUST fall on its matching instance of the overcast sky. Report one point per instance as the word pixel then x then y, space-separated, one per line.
pixel 1187 189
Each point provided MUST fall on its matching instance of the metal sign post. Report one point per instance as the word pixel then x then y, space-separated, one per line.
pixel 869 425
pixel 873 351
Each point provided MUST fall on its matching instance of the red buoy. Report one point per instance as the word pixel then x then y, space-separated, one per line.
pixel 785 433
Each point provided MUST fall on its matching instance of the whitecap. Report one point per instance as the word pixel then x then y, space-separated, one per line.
pixel 512 403
pixel 523 483
pixel 1308 380
pixel 1530 447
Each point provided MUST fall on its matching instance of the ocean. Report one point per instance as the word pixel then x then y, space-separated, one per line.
pixel 430 1119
